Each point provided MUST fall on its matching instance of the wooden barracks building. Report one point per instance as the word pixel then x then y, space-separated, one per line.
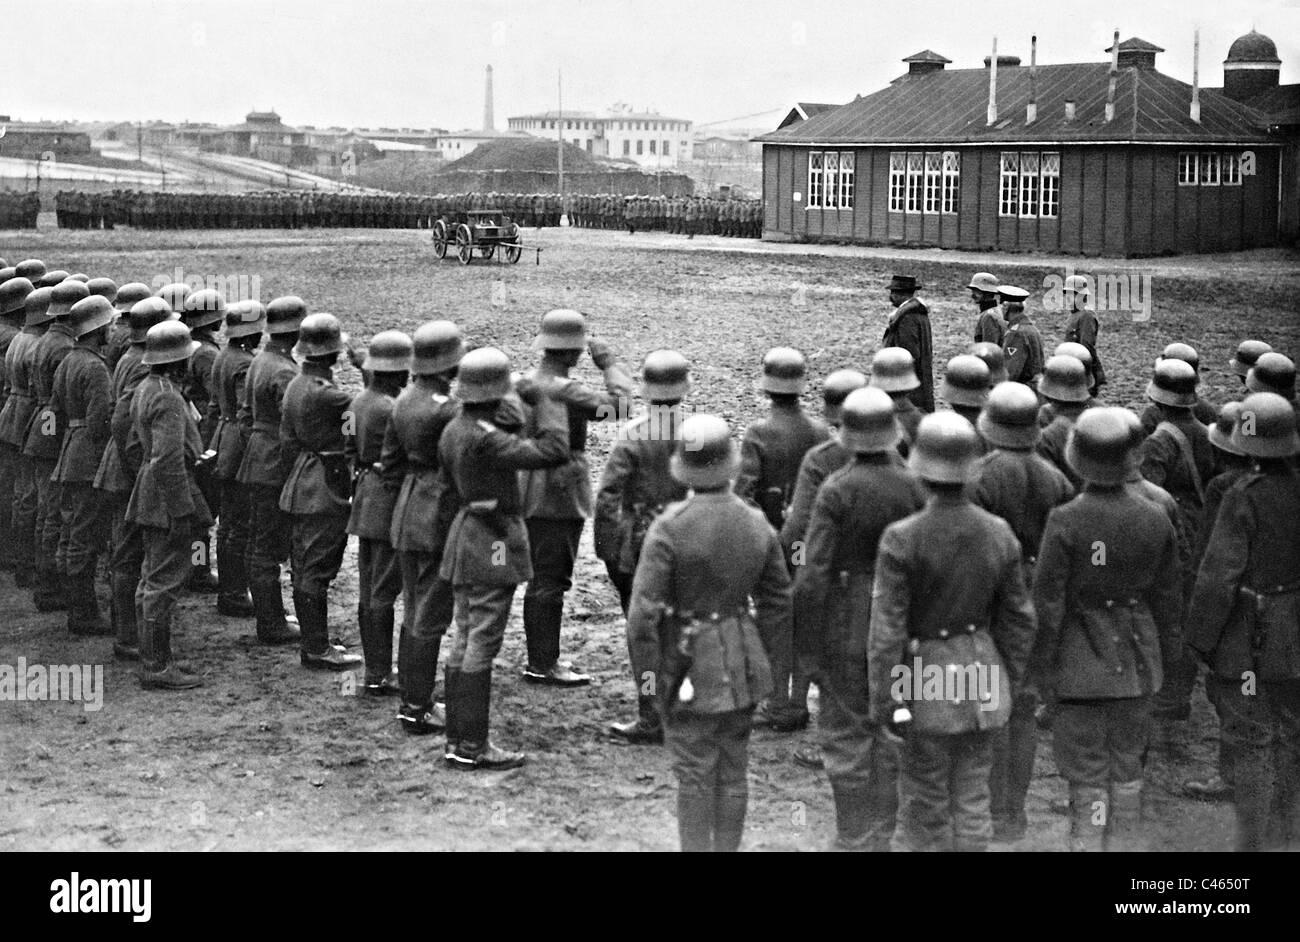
pixel 1106 158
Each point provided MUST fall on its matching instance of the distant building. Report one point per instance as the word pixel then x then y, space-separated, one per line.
pixel 653 141
pixel 802 111
pixel 457 145
pixel 262 135
pixel 30 140
pixel 726 148
pixel 1052 161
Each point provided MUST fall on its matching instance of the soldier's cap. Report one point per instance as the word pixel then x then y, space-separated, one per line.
pixel 7 272
pixel 1012 294
pixel 1248 351
pixel 175 294
pixel 784 371
pixel 965 381
pixel 390 351
pixel 993 358
pixel 905 283
pixel 244 318
pixel 705 456
pixel 204 308
pixel 285 315
pixel 1221 428
pixel 79 276
pixel 33 269
pixel 1181 351
pixel 36 307
pixel 13 295
pixel 1173 384
pixel 320 334
pixel 89 314
pixel 1273 372
pixel 562 329
pixel 147 312
pixel 984 281
pixel 1076 283
pixel 1064 379
pixel 51 278
pixel 1266 428
pixel 1099 445
pixel 867 422
pixel 665 376
pixel 438 346
pixel 893 370
pixel 64 295
pixel 484 376
pixel 168 342
pixel 945 448
pixel 130 294
pixel 1010 417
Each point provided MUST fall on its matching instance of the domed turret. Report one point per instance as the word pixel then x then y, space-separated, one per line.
pixel 1252 67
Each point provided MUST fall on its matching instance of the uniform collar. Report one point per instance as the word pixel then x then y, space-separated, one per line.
pixel 323 370
pixel 713 497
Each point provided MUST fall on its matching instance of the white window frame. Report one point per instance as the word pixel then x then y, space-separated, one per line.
pixel 1189 168
pixel 846 178
pixel 1009 183
pixel 830 179
pixel 897 180
pixel 951 182
pixel 933 182
pixel 1049 175
pixel 1232 169
pixel 1209 168
pixel 1030 190
pixel 816 178
pixel 915 181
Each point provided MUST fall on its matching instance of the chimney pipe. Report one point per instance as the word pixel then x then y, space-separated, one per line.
pixel 1114 74
pixel 993 84
pixel 1069 109
pixel 489 123
pixel 1031 109
pixel 1196 76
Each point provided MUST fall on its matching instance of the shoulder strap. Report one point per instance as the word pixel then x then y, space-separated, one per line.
pixel 1185 447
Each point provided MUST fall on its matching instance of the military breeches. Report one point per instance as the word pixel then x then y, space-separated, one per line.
pixel 168 559
pixel 1263 729
pixel 49 520
pixel 1014 746
pixel 8 471
pixel 318 544
pixel 234 524
pixel 857 755
pixel 268 535
pixel 481 616
pixel 622 585
pixel 378 572
pixel 553 546
pixel 710 752
pixel 944 787
pixel 1100 742
pixel 427 598
pixel 24 514
pixel 83 528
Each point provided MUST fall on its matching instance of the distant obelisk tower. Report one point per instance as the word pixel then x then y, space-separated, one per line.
pixel 489 124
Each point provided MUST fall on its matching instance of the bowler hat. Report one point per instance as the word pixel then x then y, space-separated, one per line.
pixel 903 283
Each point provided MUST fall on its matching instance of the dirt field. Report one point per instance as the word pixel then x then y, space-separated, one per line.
pixel 270 756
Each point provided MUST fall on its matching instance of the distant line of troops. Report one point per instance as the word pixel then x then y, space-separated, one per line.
pixel 310 209
pixel 940 575
pixel 19 210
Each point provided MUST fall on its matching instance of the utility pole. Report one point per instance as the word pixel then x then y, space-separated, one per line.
pixel 559 126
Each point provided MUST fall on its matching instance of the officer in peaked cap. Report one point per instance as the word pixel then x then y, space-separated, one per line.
pixel 636 486
pixel 317 492
pixel 1020 486
pixel 894 371
pixel 1022 347
pixel 81 399
pixel 965 387
pixel 45 438
pixel 909 328
pixel 244 323
pixel 203 313
pixel 833 590
pixel 704 561
pixel 1253 556
pixel 1248 351
pixel 13 298
pixel 115 476
pixel 1064 389
pixel 770 455
pixel 421 514
pixel 557 501
pixel 1103 691
pixel 165 503
pixel 119 339
pixel 388 364
pixel 1203 411
pixel 487 548
pixel 262 470
pixel 990 328
pixel 938 600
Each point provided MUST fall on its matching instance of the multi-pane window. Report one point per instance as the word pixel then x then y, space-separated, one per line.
pixel 897 180
pixel 830 179
pixel 951 181
pixel 1209 169
pixel 1188 172
pixel 933 181
pixel 1231 169
pixel 1030 184
pixel 915 171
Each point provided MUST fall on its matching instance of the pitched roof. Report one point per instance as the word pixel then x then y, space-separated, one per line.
pixel 950 107
pixel 1135 44
pixel 1281 104
pixel 927 55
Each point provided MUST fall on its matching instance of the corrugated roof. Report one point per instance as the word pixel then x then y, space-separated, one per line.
pixel 951 107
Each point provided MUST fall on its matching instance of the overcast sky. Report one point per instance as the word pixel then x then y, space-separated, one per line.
pixel 420 64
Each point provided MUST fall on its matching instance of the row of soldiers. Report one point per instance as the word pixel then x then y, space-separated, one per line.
pixel 684 215
pixel 19 210
pixel 870 560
